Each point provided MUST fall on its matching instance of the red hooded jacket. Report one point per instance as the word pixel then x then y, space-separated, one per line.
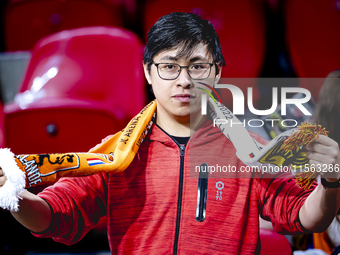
pixel 158 205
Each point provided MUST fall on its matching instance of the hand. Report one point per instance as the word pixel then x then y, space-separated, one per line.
pixel 324 156
pixel 3 178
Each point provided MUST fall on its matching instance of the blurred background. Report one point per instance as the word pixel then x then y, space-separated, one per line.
pixel 71 69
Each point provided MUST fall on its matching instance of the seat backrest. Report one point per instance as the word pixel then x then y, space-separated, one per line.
pixel 80 86
pixel 312 37
pixel 27 21
pixel 102 64
pixel 58 125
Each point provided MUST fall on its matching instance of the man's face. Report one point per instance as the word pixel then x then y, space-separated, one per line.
pixel 180 97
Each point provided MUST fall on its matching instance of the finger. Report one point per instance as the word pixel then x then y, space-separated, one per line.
pixel 326 151
pixel 323 158
pixel 325 140
pixel 318 147
pixel 312 155
pixel 315 164
pixel 3 179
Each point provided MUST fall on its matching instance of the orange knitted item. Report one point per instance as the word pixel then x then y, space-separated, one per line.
pixel 115 155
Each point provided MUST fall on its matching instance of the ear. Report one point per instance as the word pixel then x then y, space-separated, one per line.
pixel 146 73
pixel 218 73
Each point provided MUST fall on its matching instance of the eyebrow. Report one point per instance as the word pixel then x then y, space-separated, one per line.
pixel 172 58
pixel 194 59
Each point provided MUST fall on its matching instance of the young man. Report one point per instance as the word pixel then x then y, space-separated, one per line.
pixel 153 206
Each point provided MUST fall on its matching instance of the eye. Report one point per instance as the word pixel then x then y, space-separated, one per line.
pixel 169 67
pixel 197 66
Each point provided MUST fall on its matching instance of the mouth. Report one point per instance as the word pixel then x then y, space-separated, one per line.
pixel 184 97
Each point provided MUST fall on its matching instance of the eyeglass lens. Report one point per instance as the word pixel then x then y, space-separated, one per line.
pixel 172 71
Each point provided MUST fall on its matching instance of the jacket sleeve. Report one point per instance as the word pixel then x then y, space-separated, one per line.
pixel 77 204
pixel 280 200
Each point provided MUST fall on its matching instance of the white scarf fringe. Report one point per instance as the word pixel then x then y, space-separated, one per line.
pixel 14 186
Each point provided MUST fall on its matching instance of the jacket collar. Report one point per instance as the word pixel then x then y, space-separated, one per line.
pixel 206 132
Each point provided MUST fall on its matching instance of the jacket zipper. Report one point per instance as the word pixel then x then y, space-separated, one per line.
pixel 180 193
pixel 202 192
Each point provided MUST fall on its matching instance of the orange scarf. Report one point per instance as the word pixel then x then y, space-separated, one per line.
pixel 114 155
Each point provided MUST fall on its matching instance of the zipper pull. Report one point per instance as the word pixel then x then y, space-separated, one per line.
pixel 182 148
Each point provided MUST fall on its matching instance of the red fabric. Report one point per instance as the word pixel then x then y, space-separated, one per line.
pixel 142 201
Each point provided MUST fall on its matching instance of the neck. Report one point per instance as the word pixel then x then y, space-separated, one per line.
pixel 181 126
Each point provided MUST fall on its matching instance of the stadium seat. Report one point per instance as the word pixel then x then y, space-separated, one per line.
pixel 27 21
pixel 51 126
pixel 80 86
pixel 240 26
pixel 312 37
pixel 274 243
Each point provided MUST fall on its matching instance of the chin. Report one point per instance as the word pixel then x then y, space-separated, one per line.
pixel 182 114
pixel 187 112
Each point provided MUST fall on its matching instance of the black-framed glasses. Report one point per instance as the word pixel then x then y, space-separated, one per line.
pixel 171 71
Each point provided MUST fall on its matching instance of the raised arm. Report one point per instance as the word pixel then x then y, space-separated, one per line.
pixel 322 204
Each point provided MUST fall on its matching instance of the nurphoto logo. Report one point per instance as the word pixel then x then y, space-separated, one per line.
pixel 239 99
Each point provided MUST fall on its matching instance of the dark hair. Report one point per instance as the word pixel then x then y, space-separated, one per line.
pixel 328 107
pixel 183 30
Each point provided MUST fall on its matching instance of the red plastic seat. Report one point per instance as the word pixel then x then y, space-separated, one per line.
pixel 102 64
pixel 51 126
pixel 80 86
pixel 312 36
pixel 27 21
pixel 240 26
pixel 274 243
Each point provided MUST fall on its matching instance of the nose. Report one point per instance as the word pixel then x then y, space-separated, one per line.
pixel 184 79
